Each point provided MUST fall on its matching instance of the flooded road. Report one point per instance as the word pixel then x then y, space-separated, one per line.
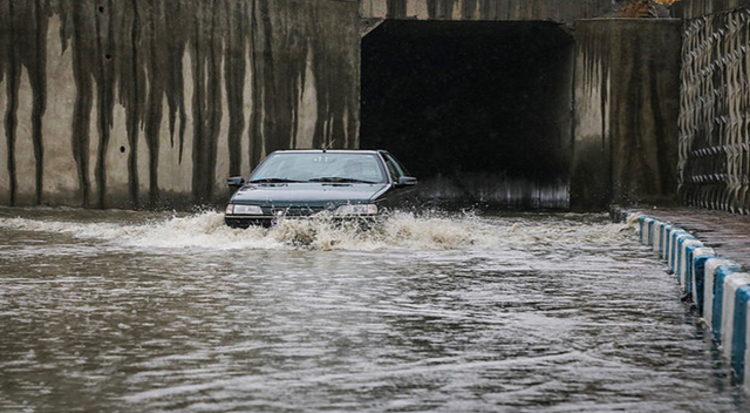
pixel 106 311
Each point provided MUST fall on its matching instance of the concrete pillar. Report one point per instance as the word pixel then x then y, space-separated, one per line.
pixel 625 112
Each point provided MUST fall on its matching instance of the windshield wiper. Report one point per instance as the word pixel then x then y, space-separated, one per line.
pixel 338 179
pixel 272 181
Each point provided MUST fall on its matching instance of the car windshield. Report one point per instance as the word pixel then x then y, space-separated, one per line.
pixel 320 167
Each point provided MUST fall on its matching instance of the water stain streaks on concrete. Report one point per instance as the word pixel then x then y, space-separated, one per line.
pixel 23 45
pixel 177 71
pixel 558 10
pixel 155 103
pixel 626 112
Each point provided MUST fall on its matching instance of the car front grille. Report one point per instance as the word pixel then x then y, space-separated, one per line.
pixel 295 211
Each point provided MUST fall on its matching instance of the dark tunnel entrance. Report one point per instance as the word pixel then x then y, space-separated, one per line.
pixel 481 112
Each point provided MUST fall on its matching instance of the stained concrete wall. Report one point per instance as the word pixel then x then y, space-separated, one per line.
pixel 154 103
pixel 690 9
pixel 125 103
pixel 626 109
pixel 557 10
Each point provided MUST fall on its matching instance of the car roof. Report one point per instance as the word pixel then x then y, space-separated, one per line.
pixel 342 151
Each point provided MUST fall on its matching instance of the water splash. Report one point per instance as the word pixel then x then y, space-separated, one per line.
pixel 403 231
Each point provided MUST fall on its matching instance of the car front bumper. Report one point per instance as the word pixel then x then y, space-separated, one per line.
pixel 236 221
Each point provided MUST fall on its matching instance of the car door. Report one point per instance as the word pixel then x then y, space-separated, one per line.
pixel 401 194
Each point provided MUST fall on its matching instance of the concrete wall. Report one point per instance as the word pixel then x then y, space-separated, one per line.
pixel 626 109
pixel 154 103
pixel 558 10
pixel 125 103
pixel 714 167
pixel 690 9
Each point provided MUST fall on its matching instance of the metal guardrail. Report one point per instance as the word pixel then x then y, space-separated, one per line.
pixel 714 144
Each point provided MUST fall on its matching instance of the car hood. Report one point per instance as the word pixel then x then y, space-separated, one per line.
pixel 306 194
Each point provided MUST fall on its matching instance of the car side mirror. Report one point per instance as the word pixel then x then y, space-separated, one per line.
pixel 406 181
pixel 236 181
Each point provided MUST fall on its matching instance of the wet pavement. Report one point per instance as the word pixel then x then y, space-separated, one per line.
pixel 727 233
pixel 115 311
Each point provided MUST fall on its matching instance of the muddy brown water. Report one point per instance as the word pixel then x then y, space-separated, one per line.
pixel 114 311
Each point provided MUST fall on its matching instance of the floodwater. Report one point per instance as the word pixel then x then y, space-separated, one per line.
pixel 113 311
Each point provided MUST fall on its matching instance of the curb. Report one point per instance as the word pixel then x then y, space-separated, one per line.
pixel 717 286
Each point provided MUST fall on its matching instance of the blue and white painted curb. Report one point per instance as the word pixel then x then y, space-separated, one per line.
pixel 719 287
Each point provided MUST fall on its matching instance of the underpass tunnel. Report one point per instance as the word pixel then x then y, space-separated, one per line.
pixel 481 112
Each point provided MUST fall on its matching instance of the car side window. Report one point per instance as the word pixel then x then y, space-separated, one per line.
pixel 394 169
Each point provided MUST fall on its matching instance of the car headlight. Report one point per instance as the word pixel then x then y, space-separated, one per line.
pixel 234 209
pixel 357 209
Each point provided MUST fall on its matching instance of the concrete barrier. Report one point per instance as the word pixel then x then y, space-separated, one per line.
pixel 688 260
pixel 716 268
pixel 719 302
pixel 746 377
pixel 672 231
pixel 674 241
pixel 717 286
pixel 685 248
pixel 698 275
pixel 734 320
pixel 646 225
pixel 662 239
pixel 660 234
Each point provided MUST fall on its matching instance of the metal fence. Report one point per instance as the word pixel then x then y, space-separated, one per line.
pixel 714 158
